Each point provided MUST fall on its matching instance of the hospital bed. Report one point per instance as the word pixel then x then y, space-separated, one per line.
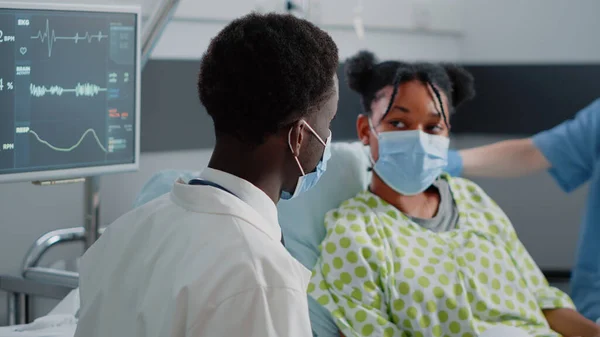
pixel 301 220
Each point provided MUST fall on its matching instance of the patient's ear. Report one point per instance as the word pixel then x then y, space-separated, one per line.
pixel 363 129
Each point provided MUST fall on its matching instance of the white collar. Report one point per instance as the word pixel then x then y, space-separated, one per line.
pixel 243 190
pixel 250 194
pixel 212 200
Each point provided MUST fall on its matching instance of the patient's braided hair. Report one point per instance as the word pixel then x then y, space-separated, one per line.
pixel 367 76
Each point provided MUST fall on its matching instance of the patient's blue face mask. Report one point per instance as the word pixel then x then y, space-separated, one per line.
pixel 308 180
pixel 410 161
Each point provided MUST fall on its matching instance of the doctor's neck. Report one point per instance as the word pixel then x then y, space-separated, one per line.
pixel 255 164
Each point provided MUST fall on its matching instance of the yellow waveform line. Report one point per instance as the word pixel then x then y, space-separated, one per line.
pixel 69 149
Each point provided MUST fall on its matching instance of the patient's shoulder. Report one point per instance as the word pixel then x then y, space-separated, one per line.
pixel 355 226
pixel 478 204
pixel 355 212
pixel 464 190
pixel 462 184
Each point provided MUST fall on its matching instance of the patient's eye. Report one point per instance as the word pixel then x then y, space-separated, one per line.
pixel 397 124
pixel 436 128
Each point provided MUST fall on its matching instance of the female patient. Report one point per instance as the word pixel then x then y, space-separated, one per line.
pixel 421 253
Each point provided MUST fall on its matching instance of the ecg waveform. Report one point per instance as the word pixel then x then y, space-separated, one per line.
pixel 85 89
pixel 69 149
pixel 50 37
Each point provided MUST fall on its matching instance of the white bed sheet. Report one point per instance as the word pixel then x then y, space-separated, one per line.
pixel 60 322
pixel 47 326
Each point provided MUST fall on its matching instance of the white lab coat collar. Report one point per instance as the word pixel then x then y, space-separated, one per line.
pixel 249 203
pixel 252 195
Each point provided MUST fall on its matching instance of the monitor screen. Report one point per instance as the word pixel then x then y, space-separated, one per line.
pixel 69 92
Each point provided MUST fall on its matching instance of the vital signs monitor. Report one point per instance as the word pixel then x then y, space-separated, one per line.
pixel 69 91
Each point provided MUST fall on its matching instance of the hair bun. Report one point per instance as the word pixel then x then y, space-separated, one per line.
pixel 359 70
pixel 463 86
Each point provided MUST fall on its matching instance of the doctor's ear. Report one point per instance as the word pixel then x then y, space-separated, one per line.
pixel 363 129
pixel 296 137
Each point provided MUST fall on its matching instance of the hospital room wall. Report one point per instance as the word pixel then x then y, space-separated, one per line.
pixel 493 33
pixel 533 32
pixel 512 31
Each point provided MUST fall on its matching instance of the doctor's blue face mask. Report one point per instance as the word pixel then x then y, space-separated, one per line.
pixel 308 180
pixel 410 161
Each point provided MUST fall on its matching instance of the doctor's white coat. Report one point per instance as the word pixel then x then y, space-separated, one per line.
pixel 196 262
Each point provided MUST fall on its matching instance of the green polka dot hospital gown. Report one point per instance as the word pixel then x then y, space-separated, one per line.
pixel 381 274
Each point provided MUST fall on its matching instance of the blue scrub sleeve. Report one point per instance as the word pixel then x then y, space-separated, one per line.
pixel 455 163
pixel 572 147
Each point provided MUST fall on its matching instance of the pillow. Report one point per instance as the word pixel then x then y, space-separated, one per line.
pixel 301 218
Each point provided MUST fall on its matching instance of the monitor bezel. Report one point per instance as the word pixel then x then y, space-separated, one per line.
pixel 84 172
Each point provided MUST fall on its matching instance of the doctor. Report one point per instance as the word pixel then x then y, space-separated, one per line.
pixel 571 153
pixel 208 258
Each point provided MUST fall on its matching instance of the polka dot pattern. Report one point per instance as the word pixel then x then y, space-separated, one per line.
pixel 440 283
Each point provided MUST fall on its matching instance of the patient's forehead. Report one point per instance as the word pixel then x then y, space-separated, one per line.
pixel 381 102
pixel 414 95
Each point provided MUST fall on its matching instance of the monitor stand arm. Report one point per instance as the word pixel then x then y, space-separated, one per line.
pixel 91 226
pixel 91 211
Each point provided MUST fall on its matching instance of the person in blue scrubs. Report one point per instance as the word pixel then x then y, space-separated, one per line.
pixel 571 153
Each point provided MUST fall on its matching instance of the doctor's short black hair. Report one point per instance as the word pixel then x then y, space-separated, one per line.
pixel 264 72
pixel 366 76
